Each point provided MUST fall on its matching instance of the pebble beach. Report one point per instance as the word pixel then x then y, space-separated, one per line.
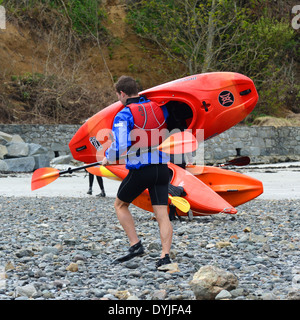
pixel 62 248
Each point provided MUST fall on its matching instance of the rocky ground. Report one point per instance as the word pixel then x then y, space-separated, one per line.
pixel 62 248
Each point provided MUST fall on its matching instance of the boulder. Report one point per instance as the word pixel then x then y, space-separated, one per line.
pixel 41 161
pixel 61 160
pixel 28 290
pixel 5 136
pixel 3 151
pixel 35 149
pixel 3 166
pixel 17 150
pixel 25 164
pixel 40 155
pixel 16 138
pixel 209 281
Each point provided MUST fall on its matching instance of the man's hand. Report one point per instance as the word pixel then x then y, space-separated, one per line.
pixel 104 161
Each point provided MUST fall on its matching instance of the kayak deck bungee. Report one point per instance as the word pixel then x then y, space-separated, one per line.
pixel 213 102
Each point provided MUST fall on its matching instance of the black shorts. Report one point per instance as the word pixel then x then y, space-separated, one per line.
pixel 155 177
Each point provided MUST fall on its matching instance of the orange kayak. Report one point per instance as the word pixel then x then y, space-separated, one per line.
pixel 202 199
pixel 233 187
pixel 213 102
pixel 236 188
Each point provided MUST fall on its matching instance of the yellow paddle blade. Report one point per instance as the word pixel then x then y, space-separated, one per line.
pixel 43 176
pixel 180 203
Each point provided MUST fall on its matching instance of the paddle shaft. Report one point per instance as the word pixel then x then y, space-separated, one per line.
pixel 71 170
pixel 166 147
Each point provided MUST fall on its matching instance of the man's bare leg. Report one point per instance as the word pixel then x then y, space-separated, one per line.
pixel 165 228
pixel 126 220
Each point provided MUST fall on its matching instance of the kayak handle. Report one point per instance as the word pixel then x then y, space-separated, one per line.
pixel 205 106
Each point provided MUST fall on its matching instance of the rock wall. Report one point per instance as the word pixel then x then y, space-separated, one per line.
pixel 261 144
pixel 54 137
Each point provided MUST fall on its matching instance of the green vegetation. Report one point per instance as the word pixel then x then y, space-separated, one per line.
pixel 85 17
pixel 253 37
pixel 250 37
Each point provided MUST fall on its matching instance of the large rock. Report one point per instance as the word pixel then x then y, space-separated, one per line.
pixel 25 164
pixel 35 149
pixel 41 161
pixel 3 166
pixel 61 160
pixel 17 150
pixel 16 138
pixel 5 136
pixel 40 155
pixel 3 151
pixel 28 290
pixel 209 280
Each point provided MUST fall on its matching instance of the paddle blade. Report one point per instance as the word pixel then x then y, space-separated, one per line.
pixel 180 203
pixel 179 143
pixel 102 171
pixel 43 176
pixel 242 161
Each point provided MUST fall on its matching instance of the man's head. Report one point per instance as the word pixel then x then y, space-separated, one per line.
pixel 126 87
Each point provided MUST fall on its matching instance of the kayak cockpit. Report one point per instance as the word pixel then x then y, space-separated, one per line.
pixel 180 115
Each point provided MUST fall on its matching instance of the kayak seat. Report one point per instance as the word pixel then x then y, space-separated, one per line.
pixel 178 114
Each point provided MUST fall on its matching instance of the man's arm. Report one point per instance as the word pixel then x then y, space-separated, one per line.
pixel 122 125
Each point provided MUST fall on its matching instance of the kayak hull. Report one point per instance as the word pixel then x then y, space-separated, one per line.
pixel 213 102
pixel 236 188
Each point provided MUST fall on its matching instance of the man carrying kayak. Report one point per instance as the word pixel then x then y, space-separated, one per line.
pixel 147 169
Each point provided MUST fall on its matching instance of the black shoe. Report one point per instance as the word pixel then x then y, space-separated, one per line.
pixel 163 261
pixel 90 191
pixel 102 194
pixel 134 251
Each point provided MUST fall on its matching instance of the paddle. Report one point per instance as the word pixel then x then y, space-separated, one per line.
pixel 180 203
pixel 174 144
pixel 242 161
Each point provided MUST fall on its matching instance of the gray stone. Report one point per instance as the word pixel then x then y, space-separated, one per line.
pixel 61 160
pixel 3 166
pixel 224 294
pixel 41 161
pixel 17 150
pixel 17 139
pixel 3 151
pixel 28 290
pixel 209 280
pixel 52 250
pixel 35 149
pixel 60 147
pixel 7 137
pixel 24 253
pixel 25 164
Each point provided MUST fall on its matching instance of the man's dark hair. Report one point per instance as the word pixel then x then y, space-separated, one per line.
pixel 128 85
